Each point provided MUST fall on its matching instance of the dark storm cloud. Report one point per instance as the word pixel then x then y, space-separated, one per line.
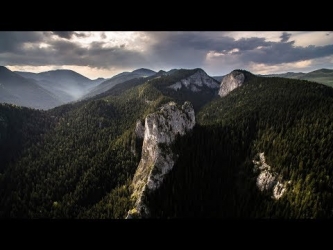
pixel 190 46
pixel 69 34
pixel 65 52
pixel 81 35
pixel 285 37
pixel 64 34
pixel 100 56
pixel 248 44
pixel 167 49
pixel 278 53
pixel 185 49
pixel 190 40
pixel 204 41
pixel 14 41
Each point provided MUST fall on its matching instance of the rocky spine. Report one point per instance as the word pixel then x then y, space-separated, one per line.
pixel 157 159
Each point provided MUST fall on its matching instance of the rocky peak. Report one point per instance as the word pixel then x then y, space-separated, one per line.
pixel 196 82
pixel 157 159
pixel 230 82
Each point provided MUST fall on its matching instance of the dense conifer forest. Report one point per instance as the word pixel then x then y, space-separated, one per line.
pixel 78 160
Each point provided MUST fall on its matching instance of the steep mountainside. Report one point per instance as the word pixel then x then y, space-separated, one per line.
pixel 85 157
pixel 234 80
pixel 160 130
pixel 262 151
pixel 122 77
pixel 187 85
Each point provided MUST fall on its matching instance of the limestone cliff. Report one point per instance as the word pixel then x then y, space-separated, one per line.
pixel 230 82
pixel 268 180
pixel 196 82
pixel 157 159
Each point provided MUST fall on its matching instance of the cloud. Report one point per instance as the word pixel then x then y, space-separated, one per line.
pixel 285 37
pixel 103 36
pixel 64 34
pixel 41 50
pixel 69 34
pixel 13 42
pixel 213 51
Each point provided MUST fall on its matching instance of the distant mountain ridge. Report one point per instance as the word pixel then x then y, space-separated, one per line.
pixel 119 78
pixel 56 87
pixel 15 89
pixel 324 76
pixel 67 85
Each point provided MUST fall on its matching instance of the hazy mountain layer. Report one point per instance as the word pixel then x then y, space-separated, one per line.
pixel 122 77
pixel 15 89
pixel 324 76
pixel 67 85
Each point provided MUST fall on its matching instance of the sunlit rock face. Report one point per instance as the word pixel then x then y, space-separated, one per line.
pixel 230 82
pixel 196 82
pixel 267 179
pixel 157 159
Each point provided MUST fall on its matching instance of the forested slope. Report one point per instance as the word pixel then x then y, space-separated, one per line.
pixel 291 121
pixel 78 160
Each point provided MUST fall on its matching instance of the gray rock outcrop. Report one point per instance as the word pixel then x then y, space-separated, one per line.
pixel 268 180
pixel 157 159
pixel 195 82
pixel 230 82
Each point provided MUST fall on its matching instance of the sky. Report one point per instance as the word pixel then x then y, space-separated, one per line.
pixel 107 53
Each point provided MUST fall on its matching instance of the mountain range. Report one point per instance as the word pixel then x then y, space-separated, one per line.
pixel 176 144
pixel 122 77
pixel 66 85
pixel 49 89
pixel 324 76
pixel 23 91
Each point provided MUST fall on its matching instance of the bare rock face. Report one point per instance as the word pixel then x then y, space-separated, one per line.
pixel 161 129
pixel 231 81
pixel 139 129
pixel 195 82
pixel 268 180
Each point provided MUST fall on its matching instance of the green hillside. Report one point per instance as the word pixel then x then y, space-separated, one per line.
pixel 324 76
pixel 291 121
pixel 78 157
